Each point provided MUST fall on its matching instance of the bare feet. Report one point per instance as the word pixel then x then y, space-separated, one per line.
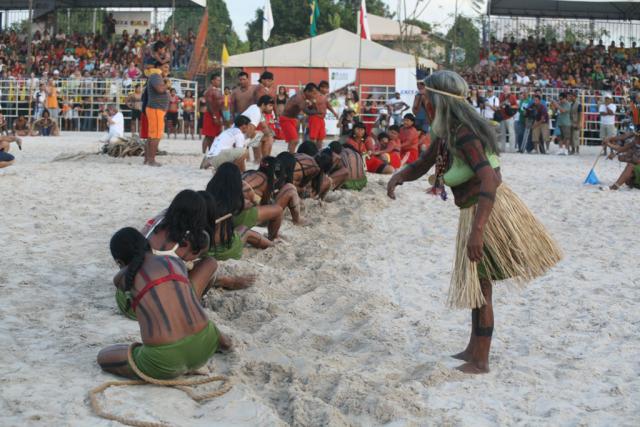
pixel 234 283
pixel 474 368
pixel 463 355
pixel 205 164
pixel 154 164
pixel 302 222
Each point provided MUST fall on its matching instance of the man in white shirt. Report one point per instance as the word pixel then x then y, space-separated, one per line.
pixel 522 78
pixel 231 145
pixel 607 119
pixel 492 104
pixel 115 120
pixel 397 107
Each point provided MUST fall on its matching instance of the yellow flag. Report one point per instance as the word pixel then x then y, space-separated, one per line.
pixel 225 55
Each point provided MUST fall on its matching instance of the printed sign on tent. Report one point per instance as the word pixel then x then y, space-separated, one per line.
pixel 340 78
pixel 132 21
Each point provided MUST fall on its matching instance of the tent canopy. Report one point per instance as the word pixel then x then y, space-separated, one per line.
pixel 335 49
pixel 572 9
pixel 89 4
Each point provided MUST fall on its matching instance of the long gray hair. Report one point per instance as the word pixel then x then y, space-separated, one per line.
pixel 451 111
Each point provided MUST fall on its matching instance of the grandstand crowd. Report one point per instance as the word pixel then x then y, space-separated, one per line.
pixel 88 55
pixel 558 64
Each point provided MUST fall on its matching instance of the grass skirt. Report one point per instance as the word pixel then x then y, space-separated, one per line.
pixel 516 247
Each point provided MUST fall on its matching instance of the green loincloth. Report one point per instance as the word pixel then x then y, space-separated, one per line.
pixel 172 360
pixel 123 299
pixel 355 184
pixel 636 176
pixel 248 218
pixel 222 253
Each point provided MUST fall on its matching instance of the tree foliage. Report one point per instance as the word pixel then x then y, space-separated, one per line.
pixel 465 35
pixel 424 26
pixel 291 19
pixel 80 20
pixel 220 27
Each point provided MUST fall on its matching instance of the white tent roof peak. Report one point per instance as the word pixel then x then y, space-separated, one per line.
pixel 335 49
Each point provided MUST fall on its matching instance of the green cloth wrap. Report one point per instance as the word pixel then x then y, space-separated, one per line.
pixel 123 299
pixel 172 360
pixel 355 184
pixel 248 218
pixel 222 253
pixel 636 176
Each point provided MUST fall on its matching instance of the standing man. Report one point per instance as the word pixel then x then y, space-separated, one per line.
pixel 564 123
pixel 264 87
pixel 575 115
pixel 540 126
pixel 607 119
pixel 52 100
pixel 317 125
pixel 422 122
pixel 212 117
pixel 242 96
pixel 304 102
pixel 397 107
pixel 508 108
pixel 156 108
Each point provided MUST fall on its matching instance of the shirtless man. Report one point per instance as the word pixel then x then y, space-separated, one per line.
pixel 212 118
pixel 264 87
pixel 242 96
pixel 7 159
pixel 629 153
pixel 317 125
pixel 304 102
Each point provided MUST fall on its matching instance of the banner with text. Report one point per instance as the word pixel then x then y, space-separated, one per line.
pixel 132 21
pixel 340 78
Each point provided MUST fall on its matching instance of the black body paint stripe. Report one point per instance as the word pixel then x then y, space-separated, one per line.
pixel 480 165
pixel 183 303
pixel 163 313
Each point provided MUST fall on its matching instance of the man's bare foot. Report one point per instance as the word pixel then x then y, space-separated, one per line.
pixel 302 222
pixel 474 368
pixel 234 283
pixel 154 164
pixel 463 355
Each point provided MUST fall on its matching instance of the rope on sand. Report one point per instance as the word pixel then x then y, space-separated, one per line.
pixel 183 385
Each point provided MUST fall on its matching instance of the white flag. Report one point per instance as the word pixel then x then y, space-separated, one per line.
pixel 363 22
pixel 267 21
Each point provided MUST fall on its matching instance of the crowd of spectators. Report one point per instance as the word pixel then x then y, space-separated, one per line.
pixel 90 55
pixel 558 64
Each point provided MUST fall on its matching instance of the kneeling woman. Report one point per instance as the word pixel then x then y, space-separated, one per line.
pixel 179 232
pixel 177 336
pixel 226 189
pixel 352 162
pixel 367 147
pixel 308 174
pixel 498 236
pixel 268 185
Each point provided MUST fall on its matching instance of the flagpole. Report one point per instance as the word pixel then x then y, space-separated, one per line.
pixel 310 56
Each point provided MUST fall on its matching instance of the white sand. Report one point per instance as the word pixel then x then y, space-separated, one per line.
pixel 347 324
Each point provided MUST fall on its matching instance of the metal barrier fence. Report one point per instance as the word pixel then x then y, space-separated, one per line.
pixel 81 101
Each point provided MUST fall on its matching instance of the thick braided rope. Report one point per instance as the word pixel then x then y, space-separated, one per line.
pixel 183 385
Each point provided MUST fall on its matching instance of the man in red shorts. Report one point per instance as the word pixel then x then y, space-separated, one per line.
pixel 317 125
pixel 212 118
pixel 304 102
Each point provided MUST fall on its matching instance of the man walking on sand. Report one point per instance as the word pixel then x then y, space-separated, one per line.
pixel 212 117
pixel 302 102
pixel 317 124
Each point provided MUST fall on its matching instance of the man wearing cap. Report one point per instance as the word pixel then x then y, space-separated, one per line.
pixel 230 145
pixel 607 112
pixel 242 95
pixel 212 117
pixel 264 87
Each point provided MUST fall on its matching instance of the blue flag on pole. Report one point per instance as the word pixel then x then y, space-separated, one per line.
pixel 592 178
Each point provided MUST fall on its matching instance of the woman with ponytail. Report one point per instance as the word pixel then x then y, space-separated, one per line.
pixel 177 336
pixel 181 232
pixel 268 185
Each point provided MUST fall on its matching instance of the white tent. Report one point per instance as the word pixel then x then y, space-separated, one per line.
pixel 335 49
pixel 586 9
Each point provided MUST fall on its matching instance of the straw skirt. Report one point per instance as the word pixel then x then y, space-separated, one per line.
pixel 516 247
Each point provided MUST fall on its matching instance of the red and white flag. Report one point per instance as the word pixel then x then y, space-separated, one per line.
pixel 363 22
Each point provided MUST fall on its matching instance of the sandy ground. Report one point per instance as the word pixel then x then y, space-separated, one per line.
pixel 347 323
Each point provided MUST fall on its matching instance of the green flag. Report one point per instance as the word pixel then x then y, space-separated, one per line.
pixel 313 18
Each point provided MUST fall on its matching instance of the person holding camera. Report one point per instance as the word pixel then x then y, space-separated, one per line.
pixel 508 110
pixel 115 120
pixel 540 127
